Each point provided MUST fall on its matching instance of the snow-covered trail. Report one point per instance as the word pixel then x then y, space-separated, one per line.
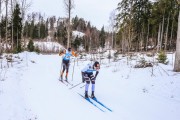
pixel 132 94
pixel 49 98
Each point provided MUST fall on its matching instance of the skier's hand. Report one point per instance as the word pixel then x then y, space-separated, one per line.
pixel 83 80
pixel 82 73
pixel 61 52
pixel 94 78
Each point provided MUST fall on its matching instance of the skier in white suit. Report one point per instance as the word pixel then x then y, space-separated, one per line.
pixel 88 76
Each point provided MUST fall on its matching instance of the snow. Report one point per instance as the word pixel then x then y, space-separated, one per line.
pixel 48 46
pixel 30 90
pixel 77 33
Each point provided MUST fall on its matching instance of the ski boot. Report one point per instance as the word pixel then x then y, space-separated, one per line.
pixel 66 79
pixel 61 78
pixel 86 94
pixel 92 95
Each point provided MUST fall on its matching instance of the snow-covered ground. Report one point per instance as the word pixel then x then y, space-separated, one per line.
pixel 30 90
pixel 77 33
pixel 48 46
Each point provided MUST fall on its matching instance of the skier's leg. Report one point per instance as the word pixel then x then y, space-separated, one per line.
pixel 62 72
pixel 87 79
pixel 67 70
pixel 86 89
pixel 93 86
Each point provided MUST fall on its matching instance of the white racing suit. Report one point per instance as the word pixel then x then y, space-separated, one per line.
pixel 88 76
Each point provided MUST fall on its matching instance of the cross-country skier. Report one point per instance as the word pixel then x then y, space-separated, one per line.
pixel 66 61
pixel 88 76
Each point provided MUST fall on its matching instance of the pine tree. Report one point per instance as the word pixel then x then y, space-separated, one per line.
pixel 3 27
pixel 102 37
pixel 17 28
pixel 77 42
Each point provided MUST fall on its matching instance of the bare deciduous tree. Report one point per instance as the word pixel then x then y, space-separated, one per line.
pixel 112 25
pixel 167 28
pixel 159 37
pixel 24 5
pixel 12 32
pixel 69 5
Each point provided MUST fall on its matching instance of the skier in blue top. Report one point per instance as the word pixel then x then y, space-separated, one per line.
pixel 88 76
pixel 66 61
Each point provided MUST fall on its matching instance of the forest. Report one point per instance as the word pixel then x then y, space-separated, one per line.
pixel 135 25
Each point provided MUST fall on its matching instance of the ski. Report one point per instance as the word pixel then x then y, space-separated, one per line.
pixel 63 82
pixel 87 99
pixel 68 82
pixel 83 86
pixel 96 100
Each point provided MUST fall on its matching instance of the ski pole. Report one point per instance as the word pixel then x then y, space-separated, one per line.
pixel 61 66
pixel 76 85
pixel 73 69
pixel 82 86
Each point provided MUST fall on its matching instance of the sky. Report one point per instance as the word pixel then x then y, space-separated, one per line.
pixel 95 11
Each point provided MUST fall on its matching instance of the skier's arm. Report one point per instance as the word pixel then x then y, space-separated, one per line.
pixel 62 52
pixel 97 72
pixel 74 54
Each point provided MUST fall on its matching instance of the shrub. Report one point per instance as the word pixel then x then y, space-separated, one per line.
pixel 31 46
pixel 162 57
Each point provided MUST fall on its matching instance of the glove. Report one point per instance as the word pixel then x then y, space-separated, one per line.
pixel 97 72
pixel 76 54
pixel 61 52
pixel 83 80
pixel 94 78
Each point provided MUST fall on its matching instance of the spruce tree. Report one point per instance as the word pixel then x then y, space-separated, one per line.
pixel 17 28
pixel 77 42
pixel 31 46
pixel 102 37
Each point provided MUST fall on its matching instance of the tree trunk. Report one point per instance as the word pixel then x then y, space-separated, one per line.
pixel 162 34
pixel 172 28
pixel 141 41
pixel 68 33
pixel 115 40
pixel 159 36
pixel 177 56
pixel 6 24
pixel 69 23
pixel 129 40
pixel 89 45
pixel 17 40
pixel 0 29
pixel 24 7
pixel 147 39
pixel 122 43
pixel 39 26
pixel 12 44
pixel 166 34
